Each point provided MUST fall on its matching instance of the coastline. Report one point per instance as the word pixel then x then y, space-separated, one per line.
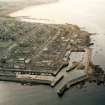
pixel 7 7
pixel 57 26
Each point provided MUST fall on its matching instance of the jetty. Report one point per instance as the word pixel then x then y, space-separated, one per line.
pixel 57 55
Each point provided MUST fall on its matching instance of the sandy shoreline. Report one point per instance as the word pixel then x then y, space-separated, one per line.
pixel 7 6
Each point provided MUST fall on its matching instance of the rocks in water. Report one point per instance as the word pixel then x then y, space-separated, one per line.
pixel 98 75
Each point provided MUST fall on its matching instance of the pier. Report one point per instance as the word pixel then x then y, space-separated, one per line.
pixel 71 73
